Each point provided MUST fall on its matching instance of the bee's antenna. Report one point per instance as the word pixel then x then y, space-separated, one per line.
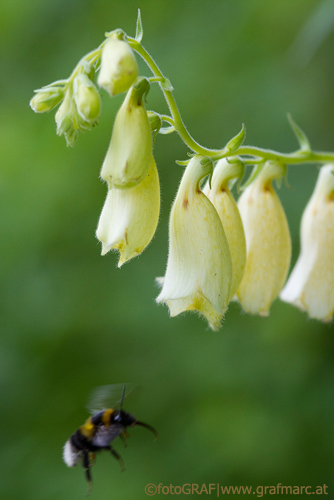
pixel 123 396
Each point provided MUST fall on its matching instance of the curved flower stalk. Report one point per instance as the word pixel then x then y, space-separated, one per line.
pixel 130 217
pixel 130 151
pixel 268 242
pixel 311 283
pixel 199 268
pixel 223 201
pixel 119 67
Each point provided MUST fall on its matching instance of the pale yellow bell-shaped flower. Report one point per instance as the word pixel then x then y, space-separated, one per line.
pixel 130 151
pixel 268 242
pixel 199 268
pixel 130 217
pixel 311 283
pixel 223 201
pixel 119 67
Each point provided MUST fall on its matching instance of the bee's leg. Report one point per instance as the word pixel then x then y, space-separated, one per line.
pixel 86 465
pixel 118 457
pixel 124 435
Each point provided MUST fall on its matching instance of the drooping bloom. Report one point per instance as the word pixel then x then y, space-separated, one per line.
pixel 130 216
pixel 119 67
pixel 267 240
pixel 223 201
pixel 130 151
pixel 199 268
pixel 311 283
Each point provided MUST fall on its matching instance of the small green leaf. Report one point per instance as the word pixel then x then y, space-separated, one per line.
pixel 237 140
pixel 301 136
pixel 139 28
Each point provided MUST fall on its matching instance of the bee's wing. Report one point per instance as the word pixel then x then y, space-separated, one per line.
pixel 107 396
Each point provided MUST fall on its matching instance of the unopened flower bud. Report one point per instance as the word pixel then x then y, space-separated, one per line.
pixel 223 201
pixel 130 216
pixel 130 151
pixel 267 240
pixel 199 268
pixel 46 99
pixel 65 119
pixel 119 67
pixel 87 99
pixel 311 283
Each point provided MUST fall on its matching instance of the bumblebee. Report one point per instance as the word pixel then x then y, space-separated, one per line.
pixel 97 433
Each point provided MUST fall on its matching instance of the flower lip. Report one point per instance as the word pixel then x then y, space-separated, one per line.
pixel 130 216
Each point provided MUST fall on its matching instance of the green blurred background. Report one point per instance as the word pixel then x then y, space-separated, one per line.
pixel 252 404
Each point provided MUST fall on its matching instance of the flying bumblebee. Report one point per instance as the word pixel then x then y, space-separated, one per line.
pixel 100 430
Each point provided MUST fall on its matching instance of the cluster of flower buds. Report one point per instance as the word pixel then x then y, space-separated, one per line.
pixel 78 96
pixel 79 99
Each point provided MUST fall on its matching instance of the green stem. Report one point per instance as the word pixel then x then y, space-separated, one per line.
pixel 178 122
pixel 297 157
pixel 287 158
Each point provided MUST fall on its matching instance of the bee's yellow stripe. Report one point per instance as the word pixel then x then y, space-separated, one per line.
pixel 87 429
pixel 106 417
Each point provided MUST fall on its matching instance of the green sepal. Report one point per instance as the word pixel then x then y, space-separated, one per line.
pixel 166 84
pixel 255 172
pixel 139 28
pixel 300 135
pixel 167 130
pixel 141 87
pixel 118 33
pixel 155 123
pixel 238 173
pixel 206 161
pixel 183 163
pixel 286 182
pixel 236 141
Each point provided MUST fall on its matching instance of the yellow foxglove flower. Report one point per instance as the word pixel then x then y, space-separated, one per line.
pixel 267 240
pixel 223 201
pixel 199 268
pixel 130 151
pixel 130 217
pixel 119 67
pixel 311 283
